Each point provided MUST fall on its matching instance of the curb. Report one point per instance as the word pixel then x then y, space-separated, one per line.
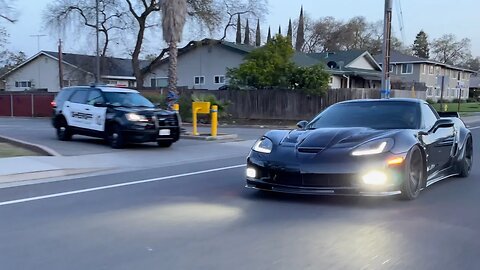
pixel 40 149
pixel 207 137
pixel 243 126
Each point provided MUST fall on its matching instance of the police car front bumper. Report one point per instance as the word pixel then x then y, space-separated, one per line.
pixel 145 133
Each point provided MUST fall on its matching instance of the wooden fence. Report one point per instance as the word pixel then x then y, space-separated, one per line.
pixel 31 104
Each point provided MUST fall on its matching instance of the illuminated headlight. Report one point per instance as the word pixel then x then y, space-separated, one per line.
pixel 133 117
pixel 251 173
pixel 373 147
pixel 264 145
pixel 375 178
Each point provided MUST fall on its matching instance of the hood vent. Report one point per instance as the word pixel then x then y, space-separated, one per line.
pixel 310 150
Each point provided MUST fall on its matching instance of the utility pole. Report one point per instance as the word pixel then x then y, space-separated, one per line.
pixel 97 58
pixel 60 64
pixel 387 39
pixel 38 36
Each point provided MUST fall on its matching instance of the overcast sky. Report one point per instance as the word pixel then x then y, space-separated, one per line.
pixel 436 17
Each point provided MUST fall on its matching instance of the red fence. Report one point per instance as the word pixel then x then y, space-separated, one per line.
pixel 33 104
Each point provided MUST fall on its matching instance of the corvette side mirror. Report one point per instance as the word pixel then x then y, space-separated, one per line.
pixel 442 123
pixel 302 124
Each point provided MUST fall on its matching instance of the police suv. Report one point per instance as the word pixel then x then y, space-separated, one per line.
pixel 117 114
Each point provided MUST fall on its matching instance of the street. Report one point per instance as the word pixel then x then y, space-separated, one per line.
pixel 200 216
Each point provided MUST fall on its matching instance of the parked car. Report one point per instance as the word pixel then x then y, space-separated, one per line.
pixel 363 147
pixel 119 115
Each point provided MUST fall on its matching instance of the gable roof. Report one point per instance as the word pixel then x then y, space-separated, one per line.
pixel 111 66
pixel 397 57
pixel 299 58
pixel 339 56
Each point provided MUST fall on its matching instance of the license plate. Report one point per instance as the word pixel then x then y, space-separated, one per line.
pixel 164 132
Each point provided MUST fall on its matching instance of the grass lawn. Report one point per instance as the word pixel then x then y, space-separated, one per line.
pixel 464 107
pixel 8 150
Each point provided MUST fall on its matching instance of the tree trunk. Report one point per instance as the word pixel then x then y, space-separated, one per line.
pixel 137 71
pixel 172 74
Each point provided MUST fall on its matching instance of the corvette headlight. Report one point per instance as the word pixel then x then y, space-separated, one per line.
pixel 373 147
pixel 264 145
pixel 133 117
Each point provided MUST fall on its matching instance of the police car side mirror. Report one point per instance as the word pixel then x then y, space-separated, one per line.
pixel 100 104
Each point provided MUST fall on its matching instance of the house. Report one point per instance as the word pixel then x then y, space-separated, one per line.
pixel 475 86
pixel 204 64
pixel 407 68
pixel 41 72
pixel 351 69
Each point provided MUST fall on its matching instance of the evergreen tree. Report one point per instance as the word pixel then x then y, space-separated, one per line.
pixel 280 30
pixel 247 34
pixel 239 31
pixel 300 32
pixel 258 36
pixel 290 30
pixel 421 46
pixel 269 36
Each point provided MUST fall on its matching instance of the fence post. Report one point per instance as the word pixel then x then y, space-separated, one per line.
pixel 33 106
pixel 11 105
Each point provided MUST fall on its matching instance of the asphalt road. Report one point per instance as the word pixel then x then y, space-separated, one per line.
pixel 199 216
pixel 40 131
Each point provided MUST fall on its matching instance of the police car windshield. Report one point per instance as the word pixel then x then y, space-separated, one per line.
pixel 122 99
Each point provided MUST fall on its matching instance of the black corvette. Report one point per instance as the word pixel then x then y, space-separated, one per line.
pixel 363 147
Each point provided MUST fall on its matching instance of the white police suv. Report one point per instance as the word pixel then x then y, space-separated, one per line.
pixel 117 114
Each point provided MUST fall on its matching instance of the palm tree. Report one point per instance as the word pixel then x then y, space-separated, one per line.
pixel 174 15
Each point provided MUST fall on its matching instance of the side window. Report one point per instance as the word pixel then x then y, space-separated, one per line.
pixel 94 96
pixel 429 116
pixel 80 96
pixel 62 97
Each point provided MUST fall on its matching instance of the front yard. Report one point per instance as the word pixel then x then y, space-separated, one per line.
pixel 453 107
pixel 8 150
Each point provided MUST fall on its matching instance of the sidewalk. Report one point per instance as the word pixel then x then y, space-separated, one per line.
pixel 20 170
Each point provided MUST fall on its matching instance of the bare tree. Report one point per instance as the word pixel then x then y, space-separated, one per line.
pixel 77 15
pixel 447 49
pixel 174 15
pixel 7 11
pixel 230 9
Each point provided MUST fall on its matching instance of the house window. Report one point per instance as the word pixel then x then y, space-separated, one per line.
pixel 431 70
pixel 331 80
pixel 429 91
pixel 424 69
pixel 159 82
pixel 438 92
pixel 199 80
pixel 219 79
pixel 391 69
pixel 23 84
pixel 459 75
pixel 407 68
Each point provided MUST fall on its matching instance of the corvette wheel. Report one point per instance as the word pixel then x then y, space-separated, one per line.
pixel 413 175
pixel 467 161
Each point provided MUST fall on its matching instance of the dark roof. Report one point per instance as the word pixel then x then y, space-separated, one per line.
pixel 397 57
pixel 301 59
pixel 111 67
pixel 339 56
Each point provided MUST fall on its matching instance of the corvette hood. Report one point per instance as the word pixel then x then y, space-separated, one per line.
pixel 323 138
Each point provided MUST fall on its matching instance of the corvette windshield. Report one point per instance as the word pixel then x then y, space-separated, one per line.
pixel 121 99
pixel 375 114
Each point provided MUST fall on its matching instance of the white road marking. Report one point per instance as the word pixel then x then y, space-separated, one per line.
pixel 117 185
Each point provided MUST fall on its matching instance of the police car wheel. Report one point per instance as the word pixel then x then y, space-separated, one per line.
pixel 165 144
pixel 63 131
pixel 116 138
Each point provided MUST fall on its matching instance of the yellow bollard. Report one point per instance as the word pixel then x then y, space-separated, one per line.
pixel 198 107
pixel 214 115
pixel 176 107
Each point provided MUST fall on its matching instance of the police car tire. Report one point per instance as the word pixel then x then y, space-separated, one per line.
pixel 164 144
pixel 115 137
pixel 63 131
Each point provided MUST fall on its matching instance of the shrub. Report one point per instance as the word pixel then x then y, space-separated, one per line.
pixel 456 100
pixel 222 105
pixel 471 100
pixel 431 101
